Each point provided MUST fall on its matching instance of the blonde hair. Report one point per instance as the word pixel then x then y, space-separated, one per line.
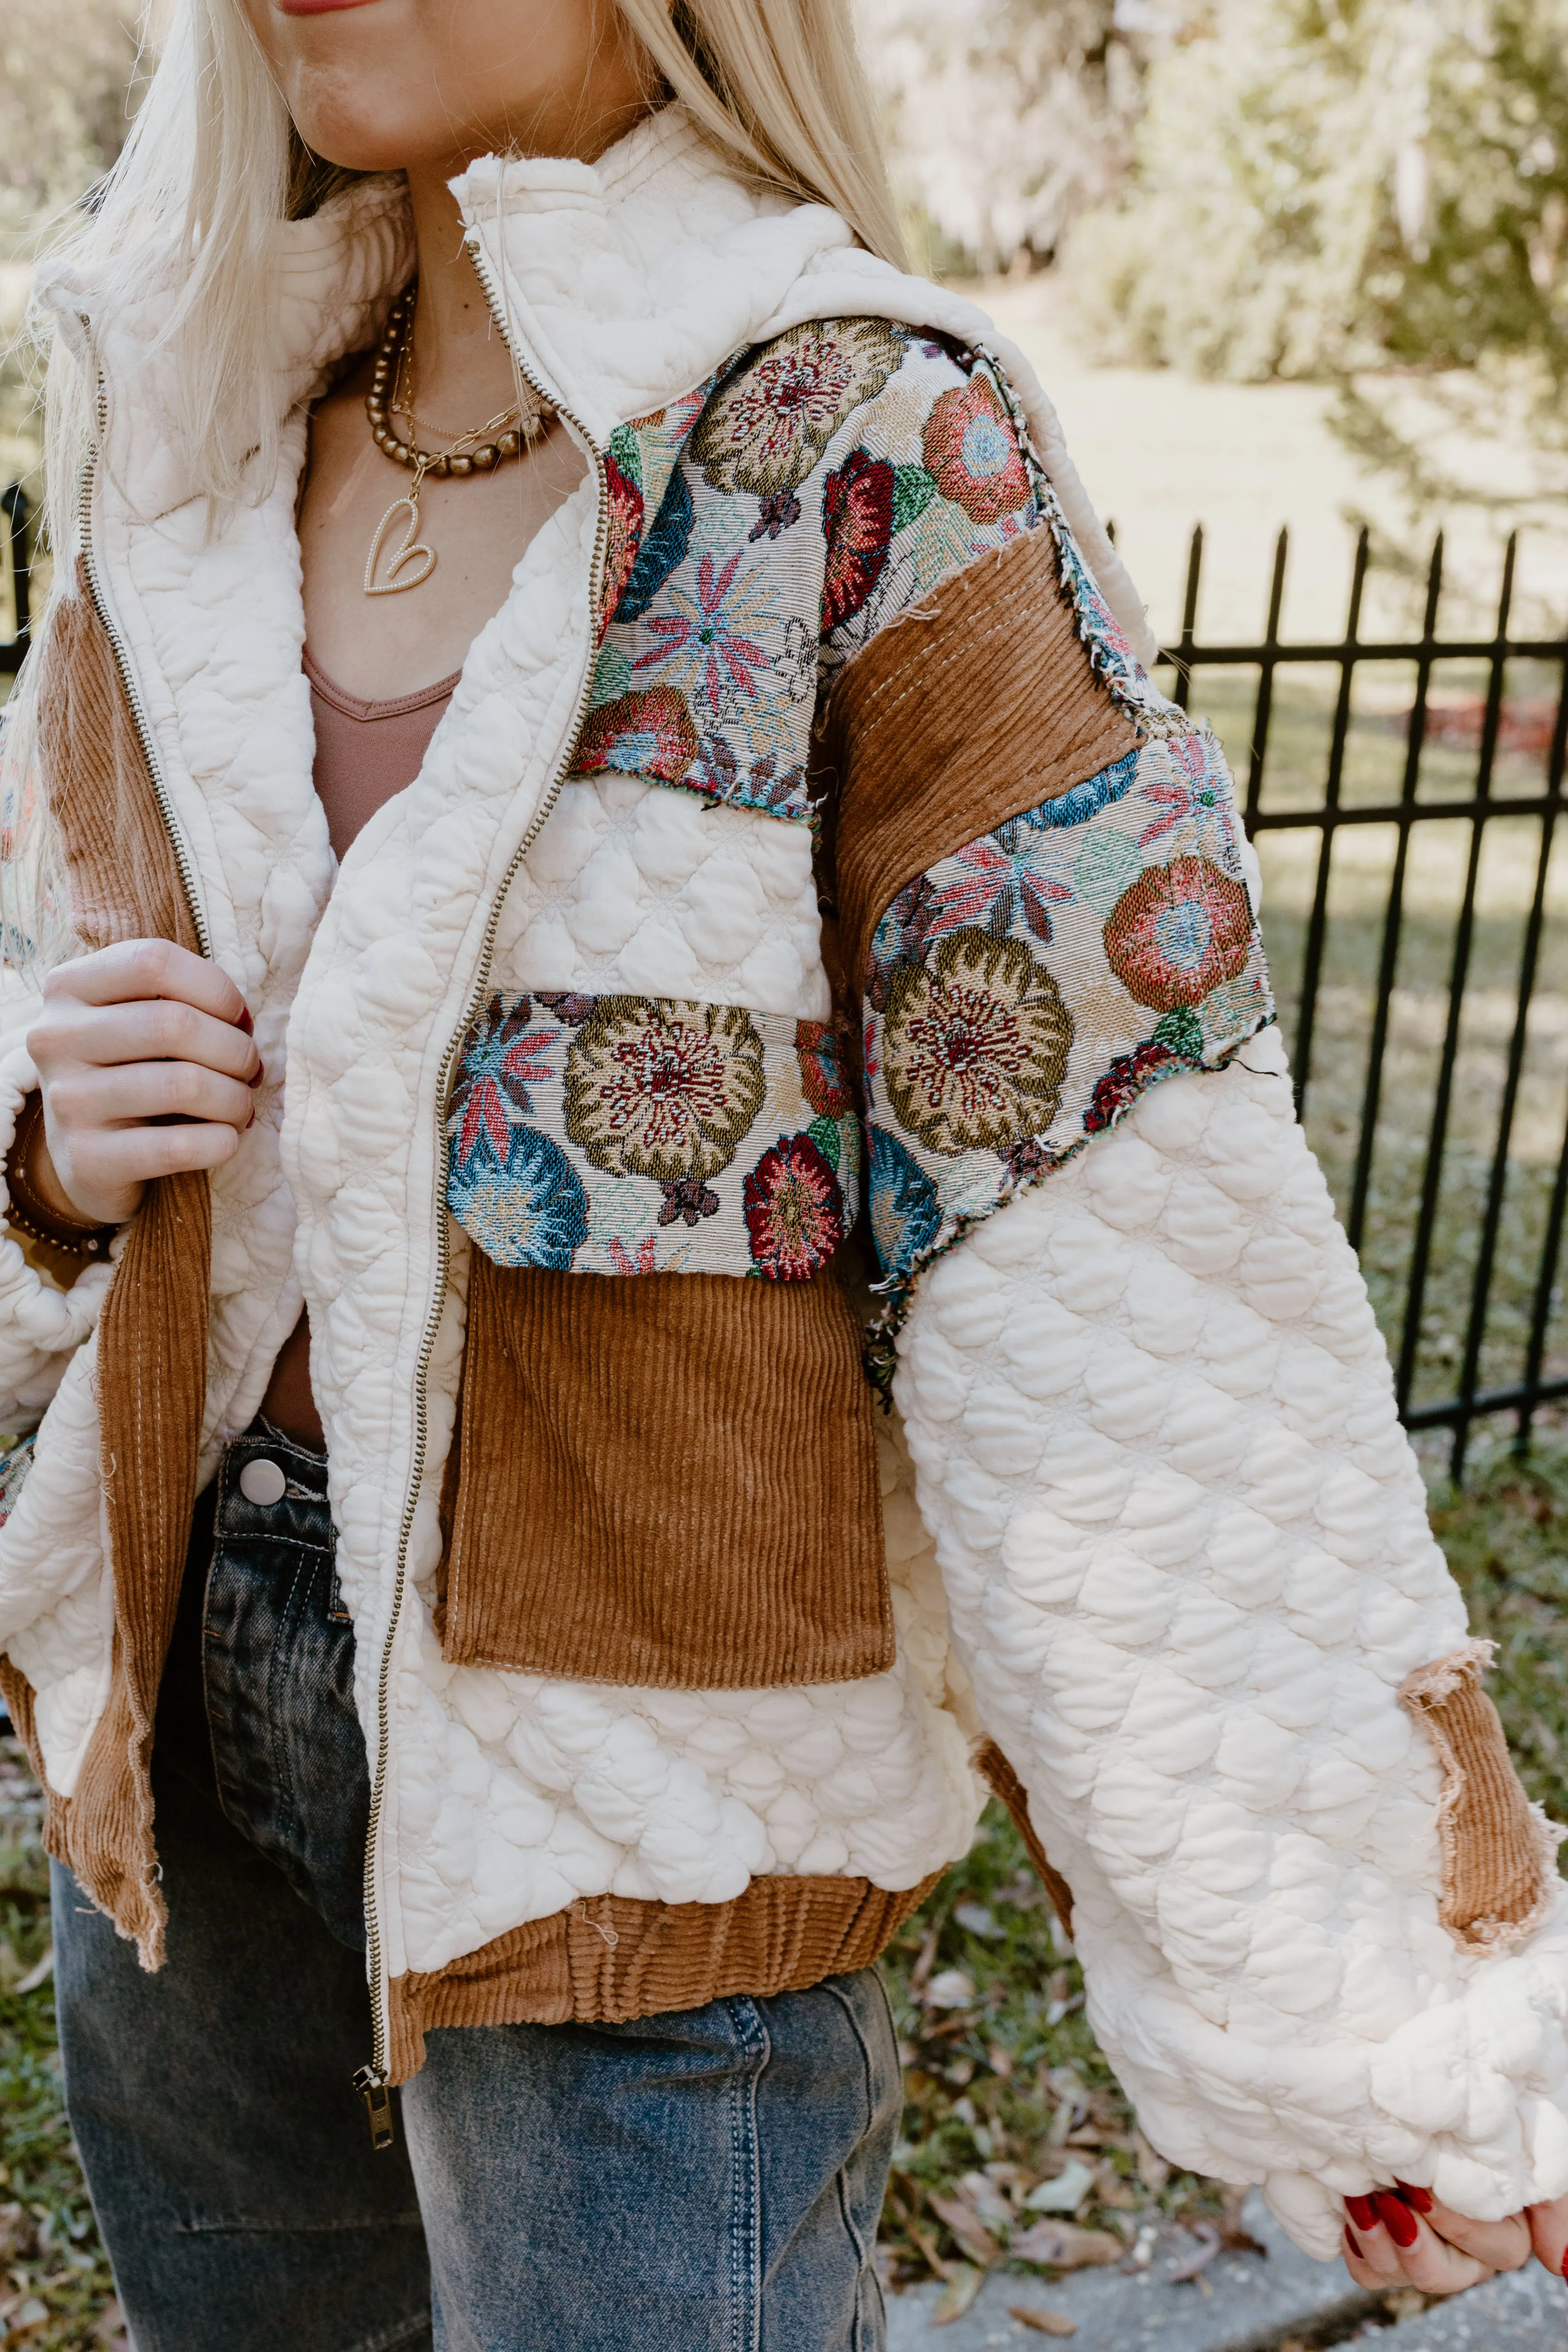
pixel 214 164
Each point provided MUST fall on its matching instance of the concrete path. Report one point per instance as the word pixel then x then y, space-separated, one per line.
pixel 1253 2305
pixel 1526 2312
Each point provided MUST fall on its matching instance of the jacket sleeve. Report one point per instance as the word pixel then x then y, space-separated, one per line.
pixel 42 1323
pixel 1183 1534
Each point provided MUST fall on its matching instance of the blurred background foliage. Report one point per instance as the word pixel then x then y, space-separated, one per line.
pixel 1260 189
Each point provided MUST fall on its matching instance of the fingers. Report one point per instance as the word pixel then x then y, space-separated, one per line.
pixel 137 1154
pixel 72 1031
pixel 1388 2245
pixel 105 1177
pixel 147 1066
pixel 1501 2245
pixel 135 970
pixel 88 1099
pixel 1548 2235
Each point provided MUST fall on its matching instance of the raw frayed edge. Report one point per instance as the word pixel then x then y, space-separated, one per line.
pixel 1159 716
pixel 1429 1686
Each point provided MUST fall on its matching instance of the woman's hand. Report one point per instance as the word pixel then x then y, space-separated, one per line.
pixel 146 1066
pixel 1549 2234
pixel 1403 2237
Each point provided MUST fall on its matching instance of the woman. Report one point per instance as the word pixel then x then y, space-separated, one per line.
pixel 581 702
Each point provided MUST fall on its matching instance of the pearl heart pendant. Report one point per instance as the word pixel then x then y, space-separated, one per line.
pixel 413 551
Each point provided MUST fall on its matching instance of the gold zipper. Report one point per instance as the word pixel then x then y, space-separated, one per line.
pixel 184 862
pixel 370 2081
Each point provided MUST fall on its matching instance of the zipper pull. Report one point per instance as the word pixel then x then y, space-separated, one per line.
pixel 370 2082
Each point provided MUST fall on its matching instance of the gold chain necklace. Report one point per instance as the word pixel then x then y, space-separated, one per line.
pixel 471 452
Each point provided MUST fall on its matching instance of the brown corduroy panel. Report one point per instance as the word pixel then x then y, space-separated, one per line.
pixel 152 1388
pixel 1005 1784
pixel 610 1960
pixel 979 705
pixel 1500 1869
pixel 667 1480
pixel 124 883
pixel 153 1334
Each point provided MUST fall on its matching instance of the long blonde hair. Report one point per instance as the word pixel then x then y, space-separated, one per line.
pixel 214 164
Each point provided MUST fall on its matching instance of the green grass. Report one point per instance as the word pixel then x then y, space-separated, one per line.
pixel 55 2292
pixel 1359 878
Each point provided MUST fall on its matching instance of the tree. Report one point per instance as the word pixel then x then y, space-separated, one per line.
pixel 1008 116
pixel 68 75
pixel 66 71
pixel 1320 185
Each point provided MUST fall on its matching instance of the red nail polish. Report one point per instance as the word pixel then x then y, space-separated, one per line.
pixel 1363 2212
pixel 1396 2219
pixel 1565 2265
pixel 261 1074
pixel 1356 2251
pixel 245 1021
pixel 1421 2199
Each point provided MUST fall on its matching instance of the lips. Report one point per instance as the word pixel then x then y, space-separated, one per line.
pixel 318 7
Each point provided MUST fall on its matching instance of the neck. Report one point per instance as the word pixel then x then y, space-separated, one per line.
pixel 462 364
pixel 463 368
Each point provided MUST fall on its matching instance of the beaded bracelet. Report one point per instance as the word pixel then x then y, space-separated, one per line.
pixel 32 1215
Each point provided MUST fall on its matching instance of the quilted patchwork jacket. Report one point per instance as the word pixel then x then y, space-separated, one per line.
pixel 808 916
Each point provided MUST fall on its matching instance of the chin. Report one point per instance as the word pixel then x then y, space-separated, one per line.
pixel 348 127
pixel 357 92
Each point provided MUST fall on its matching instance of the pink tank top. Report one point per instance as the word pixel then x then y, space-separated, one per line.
pixel 366 751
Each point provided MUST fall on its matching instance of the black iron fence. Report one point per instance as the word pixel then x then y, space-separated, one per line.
pixel 13 508
pixel 1468 735
pixel 1426 1028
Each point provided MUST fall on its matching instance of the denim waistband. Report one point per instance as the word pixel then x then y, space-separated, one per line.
pixel 258 1697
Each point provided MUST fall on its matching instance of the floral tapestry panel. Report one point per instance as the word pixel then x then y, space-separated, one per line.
pixel 625 1135
pixel 823 488
pixel 1028 987
pixel 16 1462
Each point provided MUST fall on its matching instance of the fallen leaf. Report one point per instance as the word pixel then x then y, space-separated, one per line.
pixel 1152 2169
pixel 1044 2323
pixel 926 2241
pixel 1064 2194
pixel 987 2199
pixel 1063 2246
pixel 949 1988
pixel 925 1960
pixel 38 1975
pixel 966 2226
pixel 1187 2266
pixel 1142 2252
pixel 977 1919
pixel 963 2285
pixel 1239 2241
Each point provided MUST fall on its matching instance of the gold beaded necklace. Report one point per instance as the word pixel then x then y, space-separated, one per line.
pixel 391 395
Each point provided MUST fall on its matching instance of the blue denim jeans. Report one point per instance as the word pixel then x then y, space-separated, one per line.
pixel 705 2181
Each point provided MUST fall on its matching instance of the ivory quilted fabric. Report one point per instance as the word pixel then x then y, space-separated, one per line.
pixel 1169 1546
pixel 1184 1542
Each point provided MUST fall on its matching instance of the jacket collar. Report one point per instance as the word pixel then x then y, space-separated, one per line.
pixel 624 283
